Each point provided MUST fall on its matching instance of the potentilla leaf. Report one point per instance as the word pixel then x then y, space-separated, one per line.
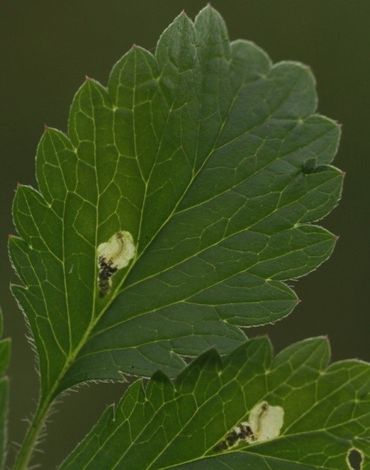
pixel 4 392
pixel 174 210
pixel 249 410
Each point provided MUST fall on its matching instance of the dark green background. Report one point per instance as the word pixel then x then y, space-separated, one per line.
pixel 46 49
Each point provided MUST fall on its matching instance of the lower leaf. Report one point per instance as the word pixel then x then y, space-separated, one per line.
pixel 249 410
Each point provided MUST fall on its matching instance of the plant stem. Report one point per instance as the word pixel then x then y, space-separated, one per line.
pixel 30 440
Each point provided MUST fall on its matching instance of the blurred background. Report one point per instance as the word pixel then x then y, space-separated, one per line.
pixel 46 49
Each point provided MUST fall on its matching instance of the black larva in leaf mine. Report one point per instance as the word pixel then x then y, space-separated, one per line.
pixel 265 423
pixel 113 255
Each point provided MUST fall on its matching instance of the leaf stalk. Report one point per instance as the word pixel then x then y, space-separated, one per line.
pixel 32 436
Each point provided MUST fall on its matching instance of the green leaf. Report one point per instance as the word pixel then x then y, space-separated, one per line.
pixel 4 392
pixel 157 425
pixel 197 154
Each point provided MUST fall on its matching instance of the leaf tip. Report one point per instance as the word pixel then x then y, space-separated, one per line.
pixel 135 48
pixel 211 9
